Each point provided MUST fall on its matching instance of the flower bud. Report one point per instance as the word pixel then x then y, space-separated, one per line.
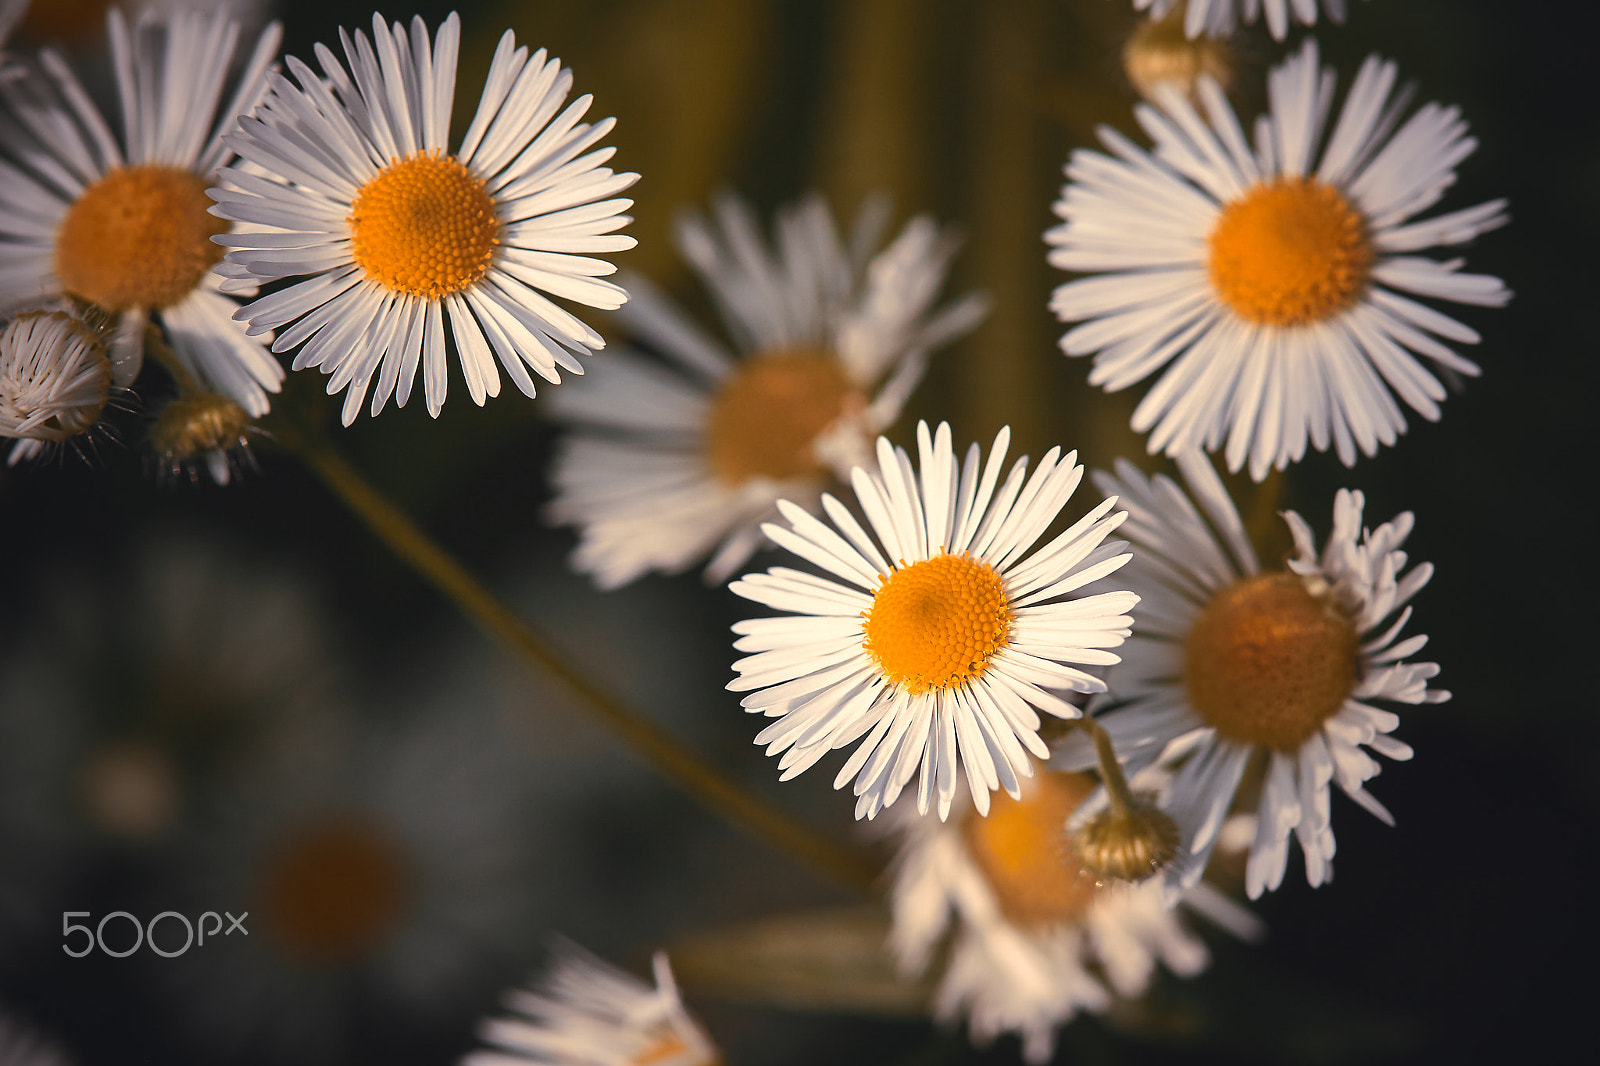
pixel 206 427
pixel 1128 845
pixel 1159 52
pixel 55 378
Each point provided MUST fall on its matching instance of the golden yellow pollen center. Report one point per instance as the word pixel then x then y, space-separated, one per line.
pixel 1024 851
pixel 424 226
pixel 1289 252
pixel 333 891
pixel 768 414
pixel 936 622
pixel 138 237
pixel 1267 663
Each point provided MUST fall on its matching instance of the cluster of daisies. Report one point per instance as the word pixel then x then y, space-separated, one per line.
pixel 1088 723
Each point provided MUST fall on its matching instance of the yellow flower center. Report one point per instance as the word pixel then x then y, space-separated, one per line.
pixel 424 226
pixel 769 412
pixel 1267 663
pixel 333 891
pixel 936 623
pixel 138 237
pixel 1289 252
pixel 1025 854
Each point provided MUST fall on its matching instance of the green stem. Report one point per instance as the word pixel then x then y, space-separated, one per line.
pixel 1110 769
pixel 679 765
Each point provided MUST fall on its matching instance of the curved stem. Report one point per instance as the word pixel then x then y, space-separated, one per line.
pixel 722 796
pixel 1110 769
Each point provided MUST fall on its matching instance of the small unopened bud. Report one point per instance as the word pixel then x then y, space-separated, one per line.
pixel 204 428
pixel 1159 52
pixel 1129 845
pixel 55 378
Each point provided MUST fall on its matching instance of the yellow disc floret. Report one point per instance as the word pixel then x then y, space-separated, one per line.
pixel 1267 663
pixel 1025 854
pixel 138 237
pixel 1288 252
pixel 936 623
pixel 425 226
pixel 768 414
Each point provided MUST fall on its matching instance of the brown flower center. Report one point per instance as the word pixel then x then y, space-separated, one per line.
pixel 333 890
pixel 770 411
pixel 1267 663
pixel 1024 852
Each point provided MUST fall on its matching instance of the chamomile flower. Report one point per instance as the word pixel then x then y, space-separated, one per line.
pixel 943 657
pixel 673 463
pixel 349 187
pixel 585 1012
pixel 1217 18
pixel 55 379
pixel 125 223
pixel 1231 664
pixel 1037 938
pixel 1269 281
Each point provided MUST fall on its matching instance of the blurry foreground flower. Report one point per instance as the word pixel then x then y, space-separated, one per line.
pixel 395 237
pixel 1217 18
pixel 126 226
pixel 1271 288
pixel 1037 937
pixel 676 463
pixel 585 1012
pixel 382 868
pixel 20 1046
pixel 1230 665
pixel 55 379
pixel 942 658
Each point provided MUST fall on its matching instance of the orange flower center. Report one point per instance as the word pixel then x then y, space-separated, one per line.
pixel 1267 663
pixel 1024 852
pixel 333 891
pixel 138 237
pixel 424 227
pixel 936 623
pixel 1290 251
pixel 770 411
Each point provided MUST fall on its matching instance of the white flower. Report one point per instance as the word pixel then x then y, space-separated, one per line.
pixel 394 237
pixel 585 1012
pixel 1230 664
pixel 55 379
pixel 1268 281
pixel 1217 18
pixel 125 223
pixel 1037 938
pixel 677 462
pixel 945 655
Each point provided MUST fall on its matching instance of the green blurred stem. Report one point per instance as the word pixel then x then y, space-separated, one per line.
pixel 1110 768
pixel 679 765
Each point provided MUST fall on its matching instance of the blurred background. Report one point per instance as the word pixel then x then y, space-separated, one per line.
pixel 211 698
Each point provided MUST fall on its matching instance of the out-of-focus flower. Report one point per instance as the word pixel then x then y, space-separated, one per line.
pixel 203 431
pixel 20 1046
pixel 394 237
pixel 1159 51
pixel 585 1012
pixel 1217 18
pixel 55 379
pixel 1037 938
pixel 380 867
pixel 943 657
pixel 126 224
pixel 1270 285
pixel 1230 663
pixel 676 463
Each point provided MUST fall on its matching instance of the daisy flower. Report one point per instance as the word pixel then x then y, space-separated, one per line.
pixel 1037 938
pixel 585 1012
pixel 679 461
pixel 1217 18
pixel 124 223
pixel 348 186
pixel 55 379
pixel 945 656
pixel 1271 279
pixel 1232 665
